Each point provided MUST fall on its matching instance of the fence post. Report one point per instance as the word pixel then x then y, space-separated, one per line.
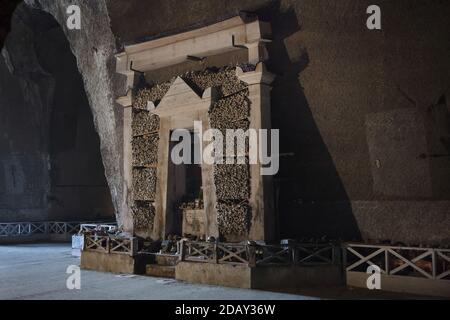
pixel 344 259
pixel 433 262
pixel 215 255
pixel 182 250
pixel 108 245
pixel 251 255
pixel 84 241
pixel 134 246
pixel 337 253
pixel 386 261
pixel 294 254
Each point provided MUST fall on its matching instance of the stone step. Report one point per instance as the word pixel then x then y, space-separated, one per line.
pixel 159 271
pixel 166 259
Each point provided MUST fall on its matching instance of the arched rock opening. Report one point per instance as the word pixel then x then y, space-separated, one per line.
pixel 50 151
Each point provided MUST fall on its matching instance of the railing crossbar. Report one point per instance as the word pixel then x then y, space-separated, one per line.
pixel 365 259
pixel 420 260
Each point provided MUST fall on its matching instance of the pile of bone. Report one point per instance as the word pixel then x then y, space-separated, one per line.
pixel 231 113
pixel 154 94
pixel 144 122
pixel 247 67
pixel 144 184
pixel 143 215
pixel 232 181
pixel 243 124
pixel 225 80
pixel 230 109
pixel 236 144
pixel 187 206
pixel 145 150
pixel 236 140
pixel 233 218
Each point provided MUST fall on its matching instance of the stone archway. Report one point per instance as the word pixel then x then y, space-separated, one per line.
pixel 50 156
pixel 94 52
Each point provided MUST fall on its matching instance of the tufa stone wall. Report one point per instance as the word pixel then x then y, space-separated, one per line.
pixel 336 82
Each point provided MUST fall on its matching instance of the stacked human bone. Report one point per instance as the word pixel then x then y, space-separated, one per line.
pixel 143 214
pixel 145 150
pixel 232 181
pixel 144 184
pixel 232 112
pixel 224 80
pixel 233 218
pixel 145 139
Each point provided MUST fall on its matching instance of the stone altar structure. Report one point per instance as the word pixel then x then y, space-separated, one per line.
pixel 189 98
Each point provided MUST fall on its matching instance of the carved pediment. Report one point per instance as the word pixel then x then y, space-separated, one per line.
pixel 181 98
pixel 225 36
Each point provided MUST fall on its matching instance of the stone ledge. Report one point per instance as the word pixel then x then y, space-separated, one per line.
pixel 403 284
pixel 113 262
pixel 265 278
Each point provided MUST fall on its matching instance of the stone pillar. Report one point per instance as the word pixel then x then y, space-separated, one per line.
pixel 159 226
pixel 209 188
pixel 263 223
pixel 125 217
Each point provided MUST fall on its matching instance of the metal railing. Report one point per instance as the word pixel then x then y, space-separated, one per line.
pixel 89 227
pixel 110 244
pixel 400 261
pixel 47 228
pixel 259 255
pixel 23 229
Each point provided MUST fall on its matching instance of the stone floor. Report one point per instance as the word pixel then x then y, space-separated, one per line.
pixel 38 271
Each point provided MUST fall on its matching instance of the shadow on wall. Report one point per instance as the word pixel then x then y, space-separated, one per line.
pixel 49 129
pixel 7 8
pixel 78 185
pixel 310 197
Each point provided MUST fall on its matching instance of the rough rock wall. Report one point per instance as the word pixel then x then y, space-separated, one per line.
pixel 6 10
pixel 50 164
pixel 362 128
pixel 336 82
pixel 26 90
pixel 344 99
pixel 94 47
pixel 136 20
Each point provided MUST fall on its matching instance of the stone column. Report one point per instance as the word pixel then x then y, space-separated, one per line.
pixel 263 223
pixel 159 227
pixel 126 217
pixel 209 188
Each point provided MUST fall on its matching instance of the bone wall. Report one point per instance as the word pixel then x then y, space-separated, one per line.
pixel 230 111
